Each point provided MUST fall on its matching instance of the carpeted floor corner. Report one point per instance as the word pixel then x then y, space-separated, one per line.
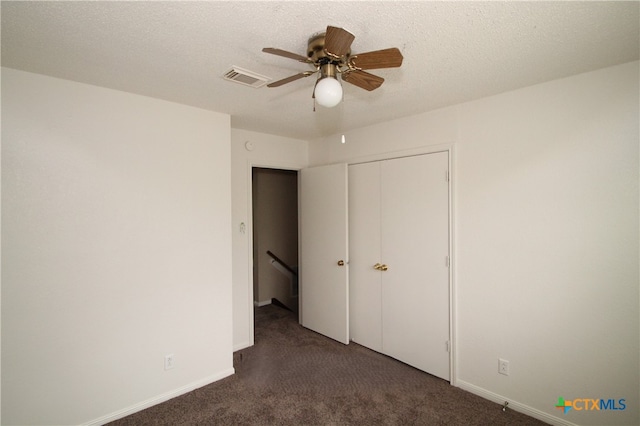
pixel 293 376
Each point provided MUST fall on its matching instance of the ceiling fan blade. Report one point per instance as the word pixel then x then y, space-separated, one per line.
pixel 337 41
pixel 286 54
pixel 386 58
pixel 363 79
pixel 291 78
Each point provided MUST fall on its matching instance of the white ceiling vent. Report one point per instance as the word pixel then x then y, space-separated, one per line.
pixel 248 78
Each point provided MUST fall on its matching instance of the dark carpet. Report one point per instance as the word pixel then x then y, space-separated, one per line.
pixel 293 376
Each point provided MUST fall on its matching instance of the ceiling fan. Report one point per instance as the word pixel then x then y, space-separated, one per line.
pixel 329 53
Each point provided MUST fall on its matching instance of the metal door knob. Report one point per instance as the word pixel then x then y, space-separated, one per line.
pixel 340 262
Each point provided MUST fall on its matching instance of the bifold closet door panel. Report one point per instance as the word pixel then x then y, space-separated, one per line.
pixel 365 323
pixel 415 245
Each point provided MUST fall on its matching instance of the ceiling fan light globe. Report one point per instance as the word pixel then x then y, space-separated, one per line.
pixel 328 92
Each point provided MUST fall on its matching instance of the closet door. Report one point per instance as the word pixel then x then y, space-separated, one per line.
pixel 324 276
pixel 415 245
pixel 365 320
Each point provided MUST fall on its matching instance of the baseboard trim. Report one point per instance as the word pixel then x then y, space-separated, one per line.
pixel 514 405
pixel 263 303
pixel 160 398
pixel 242 345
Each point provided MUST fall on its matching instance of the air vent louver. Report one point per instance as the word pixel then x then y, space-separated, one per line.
pixel 245 77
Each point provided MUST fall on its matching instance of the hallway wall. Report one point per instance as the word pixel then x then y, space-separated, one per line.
pixel 275 228
pixel 263 150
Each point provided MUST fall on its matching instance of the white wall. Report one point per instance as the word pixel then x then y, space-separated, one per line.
pixel 268 151
pixel 546 265
pixel 115 250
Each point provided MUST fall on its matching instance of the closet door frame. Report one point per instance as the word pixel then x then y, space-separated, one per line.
pixel 450 149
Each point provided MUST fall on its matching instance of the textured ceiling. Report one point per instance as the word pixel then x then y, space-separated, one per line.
pixel 453 51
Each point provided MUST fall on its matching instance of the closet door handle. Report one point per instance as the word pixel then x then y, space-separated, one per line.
pixel 340 262
pixel 379 267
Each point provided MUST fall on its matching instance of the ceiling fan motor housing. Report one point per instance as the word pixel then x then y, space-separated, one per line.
pixel 317 54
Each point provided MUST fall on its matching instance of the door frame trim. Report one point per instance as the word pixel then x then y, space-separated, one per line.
pixel 251 164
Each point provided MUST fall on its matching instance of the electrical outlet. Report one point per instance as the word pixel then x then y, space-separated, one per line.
pixel 168 361
pixel 503 366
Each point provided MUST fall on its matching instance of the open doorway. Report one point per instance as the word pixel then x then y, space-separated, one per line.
pixel 275 237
